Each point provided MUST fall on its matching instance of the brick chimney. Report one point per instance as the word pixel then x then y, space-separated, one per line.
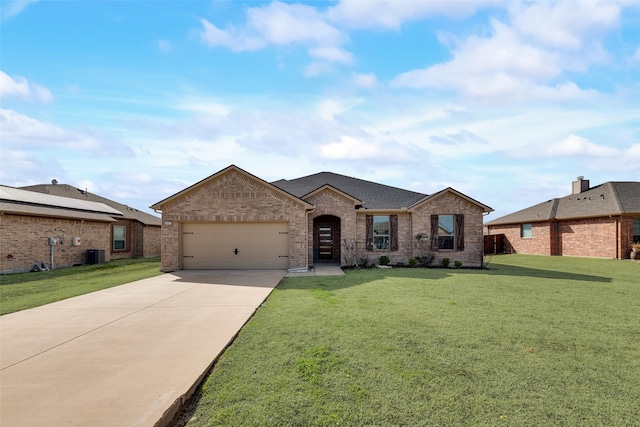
pixel 580 186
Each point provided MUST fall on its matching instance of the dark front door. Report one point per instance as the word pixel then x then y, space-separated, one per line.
pixel 325 242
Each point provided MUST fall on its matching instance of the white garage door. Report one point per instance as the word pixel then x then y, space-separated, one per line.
pixel 260 245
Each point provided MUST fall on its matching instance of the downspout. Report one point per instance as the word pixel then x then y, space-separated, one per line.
pixel 618 238
pixel 51 250
pixel 307 231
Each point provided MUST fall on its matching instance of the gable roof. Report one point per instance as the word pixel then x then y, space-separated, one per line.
pixel 18 201
pixel 158 205
pixel 610 198
pixel 372 195
pixel 456 193
pixel 65 190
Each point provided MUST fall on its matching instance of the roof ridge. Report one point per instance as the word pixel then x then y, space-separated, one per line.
pixel 351 178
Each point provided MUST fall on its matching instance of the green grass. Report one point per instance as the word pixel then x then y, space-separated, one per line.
pixel 27 290
pixel 533 341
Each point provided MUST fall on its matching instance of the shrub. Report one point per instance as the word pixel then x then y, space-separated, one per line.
pixel 457 263
pixel 445 262
pixel 384 260
pixel 425 261
pixel 413 262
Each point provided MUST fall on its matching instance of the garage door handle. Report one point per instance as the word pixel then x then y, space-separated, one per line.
pixel 235 251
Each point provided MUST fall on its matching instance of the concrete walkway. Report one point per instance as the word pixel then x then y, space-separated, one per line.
pixel 321 269
pixel 124 356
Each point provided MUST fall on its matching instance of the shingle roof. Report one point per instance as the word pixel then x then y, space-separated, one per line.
pixel 15 200
pixel 69 191
pixel 610 198
pixel 48 211
pixel 373 195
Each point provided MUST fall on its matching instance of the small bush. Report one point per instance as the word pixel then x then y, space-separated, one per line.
pixel 364 262
pixel 425 261
pixel 413 262
pixel 457 263
pixel 384 260
pixel 445 262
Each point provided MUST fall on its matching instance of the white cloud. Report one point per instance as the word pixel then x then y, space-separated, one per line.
pixel 328 109
pixel 19 87
pixel 12 8
pixel 365 80
pixel 316 69
pixel 565 24
pixel 164 45
pixel 331 53
pixel 353 149
pixel 575 145
pixel 278 24
pixel 487 66
pixel 391 14
pixel 22 132
pixel 501 67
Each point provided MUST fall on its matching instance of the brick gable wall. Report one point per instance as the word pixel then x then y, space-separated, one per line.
pixel 233 197
pixel 450 204
pixel 329 202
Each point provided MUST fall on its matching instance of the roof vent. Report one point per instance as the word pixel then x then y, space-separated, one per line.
pixel 54 181
pixel 580 186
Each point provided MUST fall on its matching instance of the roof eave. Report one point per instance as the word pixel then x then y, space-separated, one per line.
pixel 158 206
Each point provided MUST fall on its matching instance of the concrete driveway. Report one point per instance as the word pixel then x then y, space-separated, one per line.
pixel 124 356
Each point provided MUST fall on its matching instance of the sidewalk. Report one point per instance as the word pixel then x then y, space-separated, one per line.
pixel 321 269
pixel 124 356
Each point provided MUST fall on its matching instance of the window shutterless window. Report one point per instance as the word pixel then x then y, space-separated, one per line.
pixel 636 230
pixel 526 231
pixel 119 237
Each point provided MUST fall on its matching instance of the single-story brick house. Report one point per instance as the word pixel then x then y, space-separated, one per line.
pixel 41 228
pixel 135 234
pixel 601 221
pixel 233 219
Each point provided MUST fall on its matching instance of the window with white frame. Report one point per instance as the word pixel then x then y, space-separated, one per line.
pixel 526 231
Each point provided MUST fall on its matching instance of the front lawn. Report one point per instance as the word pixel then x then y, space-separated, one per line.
pixel 27 290
pixel 532 341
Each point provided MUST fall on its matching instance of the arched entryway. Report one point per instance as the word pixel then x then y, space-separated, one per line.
pixel 326 239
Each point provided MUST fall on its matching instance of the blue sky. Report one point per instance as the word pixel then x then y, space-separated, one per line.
pixel 505 101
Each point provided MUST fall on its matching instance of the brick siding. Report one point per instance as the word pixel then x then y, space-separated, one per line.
pixel 450 204
pixel 150 240
pixel 602 237
pixel 233 197
pixel 330 202
pixel 237 197
pixel 25 241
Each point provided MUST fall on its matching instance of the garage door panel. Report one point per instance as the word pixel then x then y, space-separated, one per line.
pixel 235 245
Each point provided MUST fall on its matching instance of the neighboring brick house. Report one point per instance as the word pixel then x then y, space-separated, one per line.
pixel 601 221
pixel 233 219
pixel 29 220
pixel 135 233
